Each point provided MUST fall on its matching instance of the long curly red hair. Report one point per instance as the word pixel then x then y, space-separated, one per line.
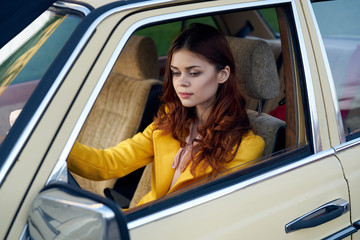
pixel 222 132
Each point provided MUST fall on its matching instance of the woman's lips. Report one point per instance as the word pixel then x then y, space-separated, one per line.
pixel 185 95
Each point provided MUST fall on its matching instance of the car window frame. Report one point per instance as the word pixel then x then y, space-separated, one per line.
pixel 40 98
pixel 307 155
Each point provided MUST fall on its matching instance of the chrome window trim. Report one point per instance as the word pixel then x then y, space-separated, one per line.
pixel 5 168
pixel 25 233
pixel 73 6
pixel 59 173
pixel 223 192
pixel 127 34
pixel 314 120
pixel 181 207
pixel 347 145
pixel 334 97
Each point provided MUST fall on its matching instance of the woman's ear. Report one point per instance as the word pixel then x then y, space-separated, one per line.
pixel 224 74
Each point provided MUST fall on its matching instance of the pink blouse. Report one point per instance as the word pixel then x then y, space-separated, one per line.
pixel 183 156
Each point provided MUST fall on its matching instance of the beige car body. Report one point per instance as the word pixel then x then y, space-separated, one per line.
pixel 292 190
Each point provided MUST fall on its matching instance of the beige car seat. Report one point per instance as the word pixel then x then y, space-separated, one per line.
pixel 273 103
pixel 118 110
pixel 257 75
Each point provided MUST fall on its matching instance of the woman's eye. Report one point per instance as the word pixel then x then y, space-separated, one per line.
pixel 194 74
pixel 175 73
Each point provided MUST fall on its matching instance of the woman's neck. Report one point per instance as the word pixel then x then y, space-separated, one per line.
pixel 202 114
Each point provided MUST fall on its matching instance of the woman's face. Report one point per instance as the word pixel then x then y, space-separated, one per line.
pixel 195 80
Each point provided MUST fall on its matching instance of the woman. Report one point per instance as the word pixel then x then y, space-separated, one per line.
pixel 201 129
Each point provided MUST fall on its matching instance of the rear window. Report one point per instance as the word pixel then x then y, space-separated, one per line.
pixel 338 23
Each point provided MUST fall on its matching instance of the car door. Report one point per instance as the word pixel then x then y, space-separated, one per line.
pixel 339 55
pixel 291 196
pixel 266 205
pixel 299 193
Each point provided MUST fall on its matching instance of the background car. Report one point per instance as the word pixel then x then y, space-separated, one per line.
pixel 76 68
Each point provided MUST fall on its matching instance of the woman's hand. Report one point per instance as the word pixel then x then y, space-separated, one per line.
pixel 13 116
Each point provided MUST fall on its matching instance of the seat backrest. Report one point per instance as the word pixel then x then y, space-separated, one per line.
pixel 118 110
pixel 257 75
pixel 274 103
pixel 255 67
pixel 138 59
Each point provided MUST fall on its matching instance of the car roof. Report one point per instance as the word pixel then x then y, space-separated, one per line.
pixel 15 15
pixel 99 3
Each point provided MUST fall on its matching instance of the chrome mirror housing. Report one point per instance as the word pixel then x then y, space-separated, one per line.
pixel 61 211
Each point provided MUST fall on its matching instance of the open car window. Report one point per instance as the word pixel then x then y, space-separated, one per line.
pixel 131 95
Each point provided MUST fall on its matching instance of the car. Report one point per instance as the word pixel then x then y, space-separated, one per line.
pixel 91 71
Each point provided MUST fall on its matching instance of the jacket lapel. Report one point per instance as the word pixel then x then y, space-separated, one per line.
pixel 165 149
pixel 187 177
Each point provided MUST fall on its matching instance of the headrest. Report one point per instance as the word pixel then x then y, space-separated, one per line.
pixel 138 59
pixel 255 67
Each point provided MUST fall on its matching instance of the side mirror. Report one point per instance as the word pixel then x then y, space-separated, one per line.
pixel 61 211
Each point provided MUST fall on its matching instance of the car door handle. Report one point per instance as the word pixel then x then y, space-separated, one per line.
pixel 323 214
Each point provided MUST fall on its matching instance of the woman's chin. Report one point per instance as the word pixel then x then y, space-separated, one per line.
pixel 188 105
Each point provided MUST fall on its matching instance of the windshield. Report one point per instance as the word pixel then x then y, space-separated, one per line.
pixel 25 59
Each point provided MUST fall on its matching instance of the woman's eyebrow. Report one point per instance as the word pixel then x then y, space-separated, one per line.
pixel 187 68
pixel 171 66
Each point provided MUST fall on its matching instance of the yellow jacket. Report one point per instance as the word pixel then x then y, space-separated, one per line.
pixel 144 148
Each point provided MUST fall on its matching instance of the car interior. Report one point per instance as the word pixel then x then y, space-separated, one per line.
pixel 130 97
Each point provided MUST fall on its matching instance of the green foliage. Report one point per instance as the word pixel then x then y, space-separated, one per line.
pixel 270 16
pixel 164 34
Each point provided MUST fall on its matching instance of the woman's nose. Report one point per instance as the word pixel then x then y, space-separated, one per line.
pixel 184 82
